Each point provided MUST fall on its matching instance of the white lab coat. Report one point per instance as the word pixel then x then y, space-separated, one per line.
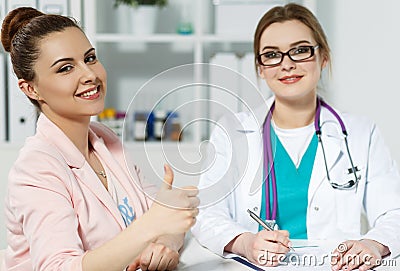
pixel 232 178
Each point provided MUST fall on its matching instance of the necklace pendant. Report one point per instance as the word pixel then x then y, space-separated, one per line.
pixel 102 174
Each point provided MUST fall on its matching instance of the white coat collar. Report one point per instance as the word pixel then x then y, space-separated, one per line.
pixel 253 121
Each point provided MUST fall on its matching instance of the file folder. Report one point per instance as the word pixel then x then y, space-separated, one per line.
pixel 253 95
pixel 3 108
pixel 54 6
pixel 22 114
pixel 224 92
pixel 13 4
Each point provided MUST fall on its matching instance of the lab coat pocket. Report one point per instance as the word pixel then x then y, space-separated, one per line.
pixel 348 208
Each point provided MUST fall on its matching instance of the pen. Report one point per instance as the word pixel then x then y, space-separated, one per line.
pixel 262 223
pixel 259 220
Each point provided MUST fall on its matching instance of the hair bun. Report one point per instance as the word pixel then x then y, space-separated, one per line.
pixel 15 20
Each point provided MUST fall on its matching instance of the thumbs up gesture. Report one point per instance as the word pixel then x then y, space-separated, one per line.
pixel 174 208
pixel 168 177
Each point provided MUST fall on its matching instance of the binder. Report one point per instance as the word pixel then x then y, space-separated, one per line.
pixel 224 86
pixel 3 108
pixel 242 81
pixel 22 114
pixel 46 6
pixel 2 11
pixel 13 4
pixel 54 6
pixel 250 12
pixel 253 95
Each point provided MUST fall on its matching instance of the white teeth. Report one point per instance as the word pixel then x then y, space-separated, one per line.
pixel 90 93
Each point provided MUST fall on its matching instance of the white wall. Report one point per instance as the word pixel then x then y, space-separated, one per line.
pixel 364 38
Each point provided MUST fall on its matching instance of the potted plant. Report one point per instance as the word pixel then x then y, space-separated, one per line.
pixel 143 14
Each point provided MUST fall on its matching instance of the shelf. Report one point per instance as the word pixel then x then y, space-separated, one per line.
pixel 227 38
pixel 170 38
pixel 124 38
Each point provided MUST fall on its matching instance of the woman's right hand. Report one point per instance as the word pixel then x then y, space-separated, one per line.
pixel 175 209
pixel 263 248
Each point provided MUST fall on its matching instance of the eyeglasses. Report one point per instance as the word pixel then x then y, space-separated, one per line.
pixel 296 54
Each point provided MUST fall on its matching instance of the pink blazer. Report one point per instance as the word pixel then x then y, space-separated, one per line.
pixel 56 208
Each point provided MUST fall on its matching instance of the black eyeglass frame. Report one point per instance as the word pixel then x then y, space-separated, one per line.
pixel 312 50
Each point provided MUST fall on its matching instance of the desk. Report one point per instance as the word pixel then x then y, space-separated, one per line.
pixel 196 258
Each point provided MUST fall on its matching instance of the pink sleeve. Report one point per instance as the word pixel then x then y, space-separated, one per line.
pixel 40 200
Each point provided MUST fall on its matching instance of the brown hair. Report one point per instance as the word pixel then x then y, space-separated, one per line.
pixel 21 32
pixel 290 12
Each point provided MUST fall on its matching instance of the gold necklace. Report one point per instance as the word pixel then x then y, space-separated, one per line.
pixel 102 174
pixel 91 153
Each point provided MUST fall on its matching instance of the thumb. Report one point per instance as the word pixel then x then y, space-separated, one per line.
pixel 135 265
pixel 168 177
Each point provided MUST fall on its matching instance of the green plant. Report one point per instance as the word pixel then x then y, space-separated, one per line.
pixel 135 3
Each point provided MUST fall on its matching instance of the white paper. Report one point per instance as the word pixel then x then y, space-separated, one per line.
pixel 305 257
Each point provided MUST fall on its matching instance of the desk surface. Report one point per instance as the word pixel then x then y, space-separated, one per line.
pixel 196 258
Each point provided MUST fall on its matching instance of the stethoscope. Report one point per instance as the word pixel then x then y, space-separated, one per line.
pixel 270 165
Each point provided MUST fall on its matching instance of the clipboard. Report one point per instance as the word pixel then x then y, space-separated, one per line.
pixel 301 249
pixel 247 263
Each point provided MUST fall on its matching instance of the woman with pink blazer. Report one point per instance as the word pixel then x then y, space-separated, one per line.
pixel 72 202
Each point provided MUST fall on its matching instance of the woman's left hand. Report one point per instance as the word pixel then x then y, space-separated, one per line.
pixel 156 257
pixel 160 255
pixel 362 254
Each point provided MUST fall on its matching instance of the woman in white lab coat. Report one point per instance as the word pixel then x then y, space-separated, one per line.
pixel 326 188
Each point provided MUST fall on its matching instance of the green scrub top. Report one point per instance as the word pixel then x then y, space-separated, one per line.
pixel 292 188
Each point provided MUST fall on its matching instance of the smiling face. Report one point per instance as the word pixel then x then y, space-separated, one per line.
pixel 70 81
pixel 291 80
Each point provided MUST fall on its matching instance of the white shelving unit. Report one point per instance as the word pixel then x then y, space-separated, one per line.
pixel 132 60
pixel 153 54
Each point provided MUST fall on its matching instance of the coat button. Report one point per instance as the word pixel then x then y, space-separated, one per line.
pixel 316 208
pixel 255 209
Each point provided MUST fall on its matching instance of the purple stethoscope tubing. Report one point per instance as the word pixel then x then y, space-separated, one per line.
pixel 268 156
pixel 320 103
